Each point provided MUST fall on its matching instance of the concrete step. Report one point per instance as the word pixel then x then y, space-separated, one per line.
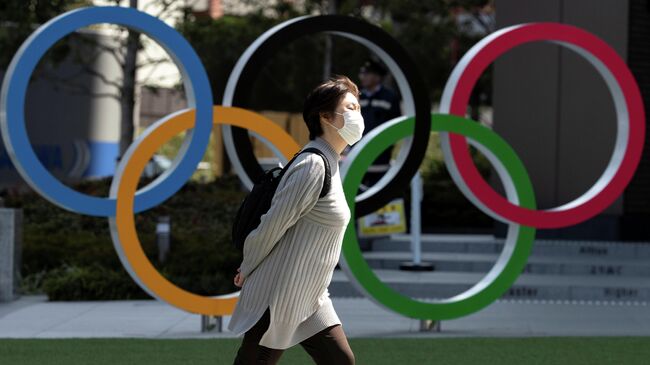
pixel 485 244
pixel 440 285
pixel 537 264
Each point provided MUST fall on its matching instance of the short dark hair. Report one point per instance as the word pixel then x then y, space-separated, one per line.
pixel 323 99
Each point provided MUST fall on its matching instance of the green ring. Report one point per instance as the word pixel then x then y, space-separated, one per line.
pixel 460 305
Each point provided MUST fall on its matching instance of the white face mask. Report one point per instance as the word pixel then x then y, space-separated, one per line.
pixel 353 126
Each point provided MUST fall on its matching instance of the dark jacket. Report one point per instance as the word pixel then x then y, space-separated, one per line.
pixel 381 106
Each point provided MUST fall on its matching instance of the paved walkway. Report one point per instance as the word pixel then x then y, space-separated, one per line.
pixel 35 317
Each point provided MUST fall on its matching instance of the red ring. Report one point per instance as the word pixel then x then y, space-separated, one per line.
pixel 636 114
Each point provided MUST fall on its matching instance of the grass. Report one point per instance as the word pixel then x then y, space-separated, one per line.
pixel 484 351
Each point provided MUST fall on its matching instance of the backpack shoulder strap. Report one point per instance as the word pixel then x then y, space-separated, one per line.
pixel 328 174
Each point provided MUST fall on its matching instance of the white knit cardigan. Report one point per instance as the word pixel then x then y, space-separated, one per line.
pixel 289 259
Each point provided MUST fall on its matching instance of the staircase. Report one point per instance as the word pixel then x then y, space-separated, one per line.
pixel 556 271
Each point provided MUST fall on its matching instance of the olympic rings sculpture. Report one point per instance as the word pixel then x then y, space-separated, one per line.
pixel 517 208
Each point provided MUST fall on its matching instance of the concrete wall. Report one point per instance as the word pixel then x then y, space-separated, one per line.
pixel 555 110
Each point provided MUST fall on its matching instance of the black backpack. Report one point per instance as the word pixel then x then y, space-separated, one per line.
pixel 258 201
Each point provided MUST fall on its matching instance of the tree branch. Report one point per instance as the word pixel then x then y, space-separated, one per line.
pixel 154 62
pixel 101 77
pixel 112 51
pixel 77 89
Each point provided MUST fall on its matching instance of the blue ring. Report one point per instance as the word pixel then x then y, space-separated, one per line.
pixel 12 101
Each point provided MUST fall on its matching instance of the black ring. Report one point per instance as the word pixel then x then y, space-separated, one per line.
pixel 277 37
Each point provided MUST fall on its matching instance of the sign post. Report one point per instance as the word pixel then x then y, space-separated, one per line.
pixel 416 229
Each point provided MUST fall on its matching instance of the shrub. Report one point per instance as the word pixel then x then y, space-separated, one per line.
pixel 94 282
pixel 64 252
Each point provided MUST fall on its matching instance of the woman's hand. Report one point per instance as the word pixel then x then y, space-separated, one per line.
pixel 239 280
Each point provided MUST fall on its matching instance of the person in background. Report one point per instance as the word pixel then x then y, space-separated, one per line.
pixel 378 105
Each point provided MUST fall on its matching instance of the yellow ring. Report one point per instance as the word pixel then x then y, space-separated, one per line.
pixel 127 236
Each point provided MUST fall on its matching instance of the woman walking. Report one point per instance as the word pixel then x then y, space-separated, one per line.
pixel 289 259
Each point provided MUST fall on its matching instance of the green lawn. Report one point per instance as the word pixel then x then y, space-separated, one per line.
pixel 529 351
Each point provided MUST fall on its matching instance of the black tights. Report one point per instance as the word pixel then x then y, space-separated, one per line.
pixel 327 347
